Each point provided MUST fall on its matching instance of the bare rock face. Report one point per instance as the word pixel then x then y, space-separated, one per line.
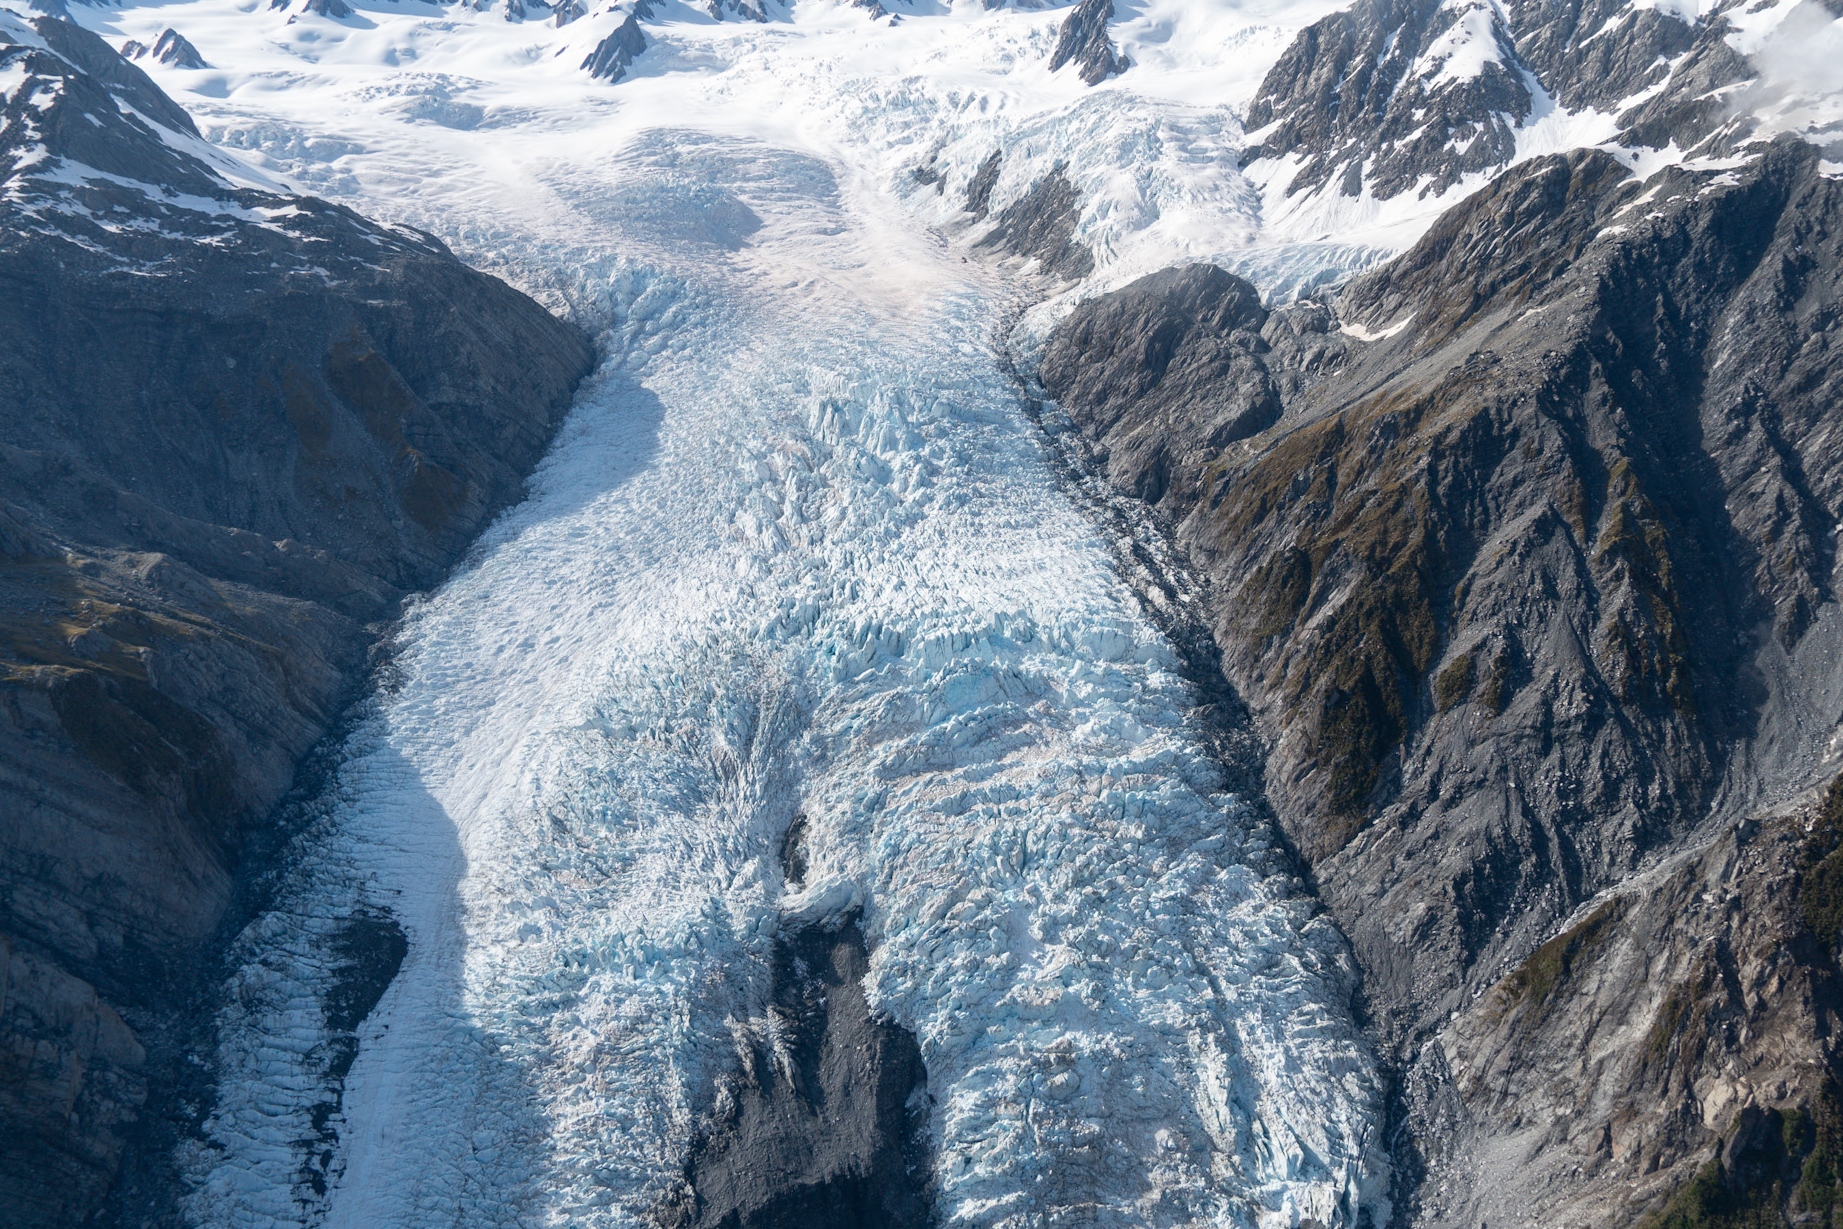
pixel 1674 1043
pixel 70 1070
pixel 615 54
pixel 1532 589
pixel 1391 96
pixel 1039 225
pixel 1165 373
pixel 235 428
pixel 825 1127
pixel 1084 42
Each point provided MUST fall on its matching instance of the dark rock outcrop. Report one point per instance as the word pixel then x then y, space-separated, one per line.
pixel 748 10
pixel 235 428
pixel 1410 95
pixel 1039 225
pixel 979 187
pixel 825 1127
pixel 614 55
pixel 171 47
pixel 335 9
pixel 1085 42
pixel 1532 589
pixel 1165 373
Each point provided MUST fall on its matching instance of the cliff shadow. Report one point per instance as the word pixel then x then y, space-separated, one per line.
pixel 610 438
pixel 387 982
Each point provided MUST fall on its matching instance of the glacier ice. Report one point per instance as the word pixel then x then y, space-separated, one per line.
pixel 795 557
pixel 797 551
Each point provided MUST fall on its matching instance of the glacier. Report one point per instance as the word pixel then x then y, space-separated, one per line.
pixel 799 551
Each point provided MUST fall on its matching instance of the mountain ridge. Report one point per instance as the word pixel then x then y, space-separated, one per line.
pixel 1518 544
pixel 1390 599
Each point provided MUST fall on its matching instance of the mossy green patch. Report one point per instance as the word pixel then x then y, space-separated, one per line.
pixel 1453 684
pixel 1669 1020
pixel 1499 683
pixel 1648 651
pixel 369 384
pixel 1349 520
pixel 1820 887
pixel 89 656
pixel 1777 1168
pixel 1277 592
pixel 1551 966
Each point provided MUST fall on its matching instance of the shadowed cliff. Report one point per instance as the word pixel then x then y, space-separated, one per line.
pixel 236 428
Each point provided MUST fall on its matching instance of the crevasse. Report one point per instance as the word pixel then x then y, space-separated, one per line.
pixel 804 558
pixel 798 551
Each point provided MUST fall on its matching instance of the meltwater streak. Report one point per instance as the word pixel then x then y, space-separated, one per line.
pixel 798 551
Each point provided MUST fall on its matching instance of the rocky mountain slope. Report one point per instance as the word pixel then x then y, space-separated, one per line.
pixel 236 427
pixel 1523 556
pixel 1390 97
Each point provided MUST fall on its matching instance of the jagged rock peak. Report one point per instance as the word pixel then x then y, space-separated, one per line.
pixel 120 109
pixel 1393 95
pixel 1041 224
pixel 748 10
pixel 614 54
pixel 515 10
pixel 325 8
pixel 1085 42
pixel 171 47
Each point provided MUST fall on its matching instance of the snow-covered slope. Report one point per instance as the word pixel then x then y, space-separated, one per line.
pixel 455 117
pixel 428 111
pixel 798 552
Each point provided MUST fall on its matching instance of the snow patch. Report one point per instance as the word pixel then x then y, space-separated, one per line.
pixel 1362 334
pixel 1466 48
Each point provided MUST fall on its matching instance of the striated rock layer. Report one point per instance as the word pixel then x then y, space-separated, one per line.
pixel 1524 560
pixel 235 429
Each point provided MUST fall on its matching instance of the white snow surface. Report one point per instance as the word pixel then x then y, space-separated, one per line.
pixel 1466 48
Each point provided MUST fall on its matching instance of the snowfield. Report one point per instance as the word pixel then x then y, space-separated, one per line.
pixel 798 551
